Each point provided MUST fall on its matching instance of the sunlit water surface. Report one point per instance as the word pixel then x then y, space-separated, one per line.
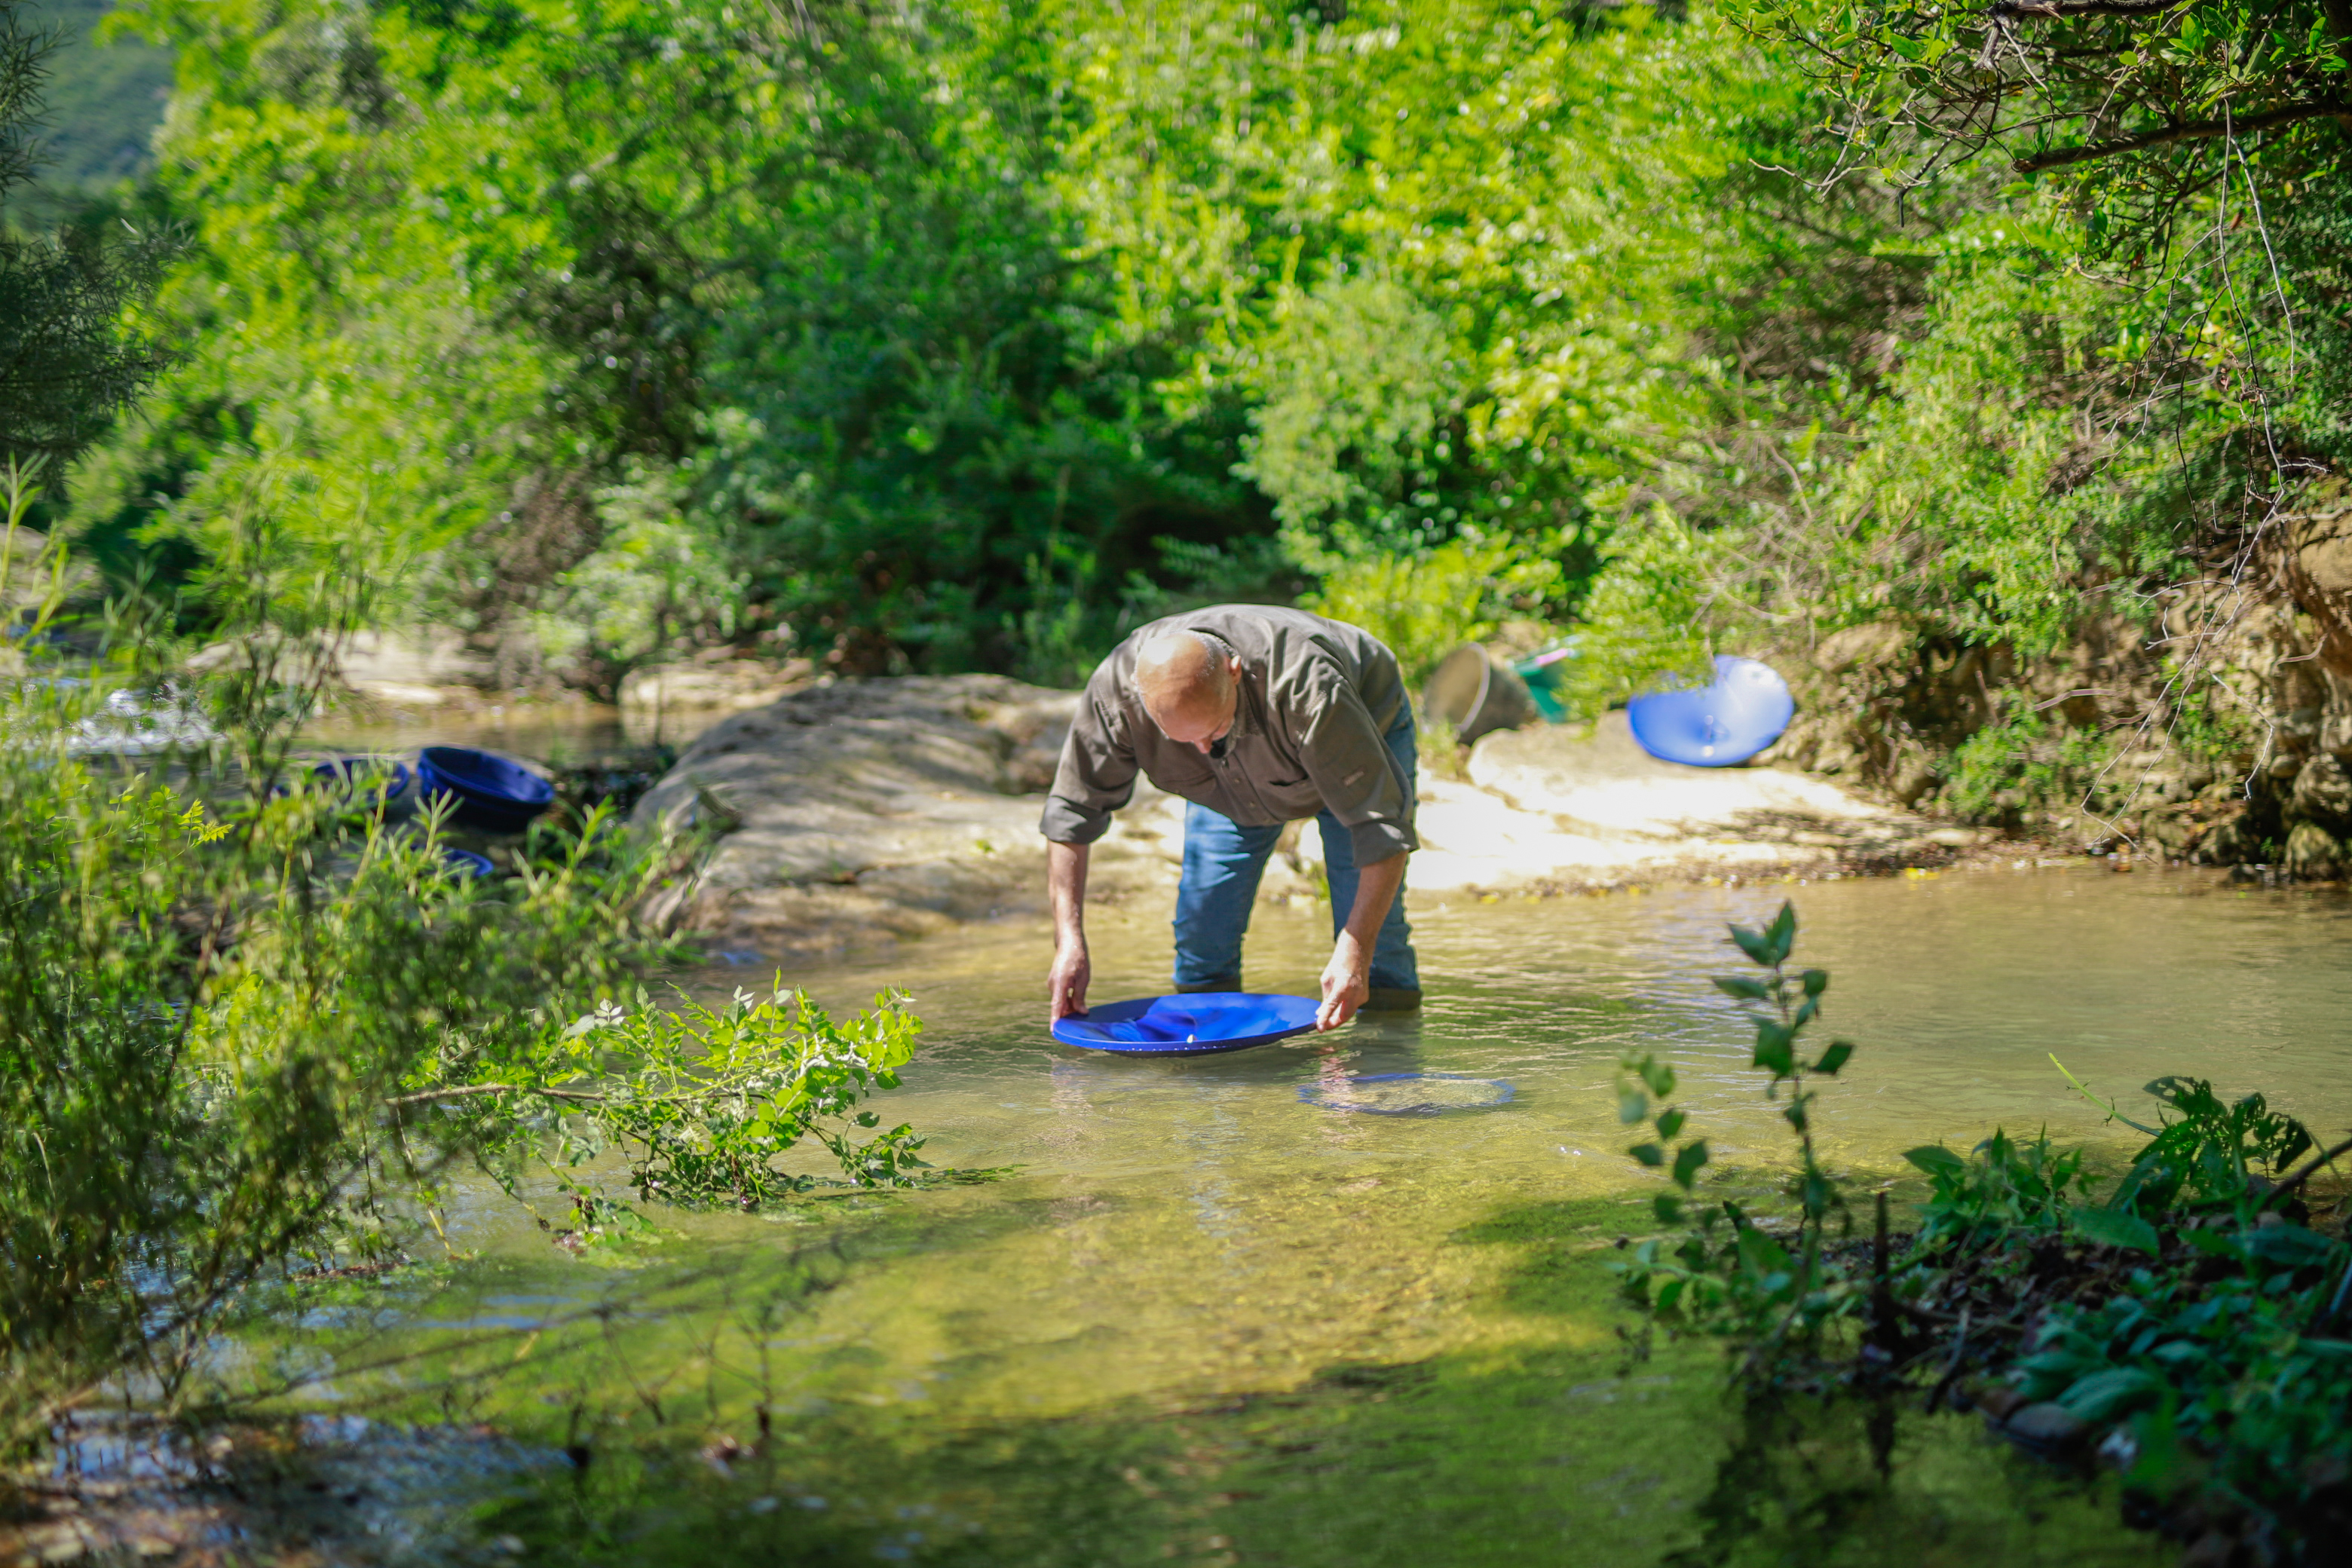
pixel 1185 1238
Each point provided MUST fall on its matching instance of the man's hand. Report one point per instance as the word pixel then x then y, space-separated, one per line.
pixel 1347 978
pixel 1347 982
pixel 1066 982
pixel 1066 884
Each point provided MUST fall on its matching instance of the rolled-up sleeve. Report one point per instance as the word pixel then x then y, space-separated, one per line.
pixel 1358 778
pixel 1096 773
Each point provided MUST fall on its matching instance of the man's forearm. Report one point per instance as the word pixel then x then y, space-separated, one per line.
pixel 1066 884
pixel 1376 889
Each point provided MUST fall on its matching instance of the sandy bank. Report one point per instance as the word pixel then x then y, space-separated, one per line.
pixel 872 810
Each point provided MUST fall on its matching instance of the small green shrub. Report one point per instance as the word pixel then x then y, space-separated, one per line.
pixel 1659 613
pixel 1729 1274
pixel 2023 765
pixel 2002 1188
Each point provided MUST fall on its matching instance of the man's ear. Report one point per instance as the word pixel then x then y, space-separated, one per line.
pixel 1234 667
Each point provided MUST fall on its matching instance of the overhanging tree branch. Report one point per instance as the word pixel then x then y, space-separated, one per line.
pixel 2189 130
pixel 2016 10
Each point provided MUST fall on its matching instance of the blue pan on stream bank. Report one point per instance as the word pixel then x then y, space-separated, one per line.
pixel 1187 1026
pixel 465 863
pixel 366 782
pixel 1715 726
pixel 492 794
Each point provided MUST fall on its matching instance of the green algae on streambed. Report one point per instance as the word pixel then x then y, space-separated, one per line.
pixel 1208 1320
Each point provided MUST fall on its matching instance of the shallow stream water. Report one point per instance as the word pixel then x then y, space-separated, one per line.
pixel 1208 1320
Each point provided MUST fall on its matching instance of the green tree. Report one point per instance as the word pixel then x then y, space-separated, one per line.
pixel 71 349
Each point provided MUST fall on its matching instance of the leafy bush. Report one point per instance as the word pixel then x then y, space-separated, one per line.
pixel 699 1102
pixel 246 1024
pixel 2002 1189
pixel 2023 766
pixel 1424 606
pixel 655 579
pixel 1663 604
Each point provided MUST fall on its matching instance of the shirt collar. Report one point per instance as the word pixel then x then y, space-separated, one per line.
pixel 1243 724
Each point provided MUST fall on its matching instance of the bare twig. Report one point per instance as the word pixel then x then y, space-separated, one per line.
pixel 2040 10
pixel 465 1091
pixel 2190 130
pixel 2323 1158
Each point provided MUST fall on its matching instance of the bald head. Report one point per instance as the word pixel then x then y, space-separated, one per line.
pixel 1187 687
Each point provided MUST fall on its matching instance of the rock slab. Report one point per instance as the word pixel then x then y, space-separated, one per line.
pixel 861 811
pixel 866 810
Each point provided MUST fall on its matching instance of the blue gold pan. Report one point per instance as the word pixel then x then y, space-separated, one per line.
pixel 1187 1026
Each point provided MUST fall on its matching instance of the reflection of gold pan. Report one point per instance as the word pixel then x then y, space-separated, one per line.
pixel 1408 1093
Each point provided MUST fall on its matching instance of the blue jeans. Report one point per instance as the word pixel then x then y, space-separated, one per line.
pixel 1222 863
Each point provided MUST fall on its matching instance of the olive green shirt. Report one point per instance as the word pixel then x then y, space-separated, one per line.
pixel 1315 700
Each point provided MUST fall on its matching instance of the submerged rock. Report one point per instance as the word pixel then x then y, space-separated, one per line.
pixel 434 667
pixel 650 695
pixel 2045 1425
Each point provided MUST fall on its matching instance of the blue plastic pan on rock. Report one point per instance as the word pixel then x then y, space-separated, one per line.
pixel 1715 726
pixel 465 863
pixel 1187 1026
pixel 367 782
pixel 491 792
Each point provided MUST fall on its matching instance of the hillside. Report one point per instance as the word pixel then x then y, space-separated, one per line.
pixel 103 102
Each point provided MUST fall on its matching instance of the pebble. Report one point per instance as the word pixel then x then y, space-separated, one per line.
pixel 2047 1423
pixel 1996 1400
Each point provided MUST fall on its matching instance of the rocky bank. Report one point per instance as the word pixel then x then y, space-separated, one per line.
pixel 862 811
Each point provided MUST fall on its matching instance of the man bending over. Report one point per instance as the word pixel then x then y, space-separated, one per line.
pixel 1256 716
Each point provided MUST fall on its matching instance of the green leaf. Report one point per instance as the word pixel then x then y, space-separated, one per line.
pixel 1746 989
pixel 1650 1154
pixel 1775 1047
pixel 1781 934
pixel 1936 1160
pixel 1633 1106
pixel 1836 1056
pixel 1760 1252
pixel 1659 1076
pixel 2291 1245
pixel 2214 1243
pixel 1691 1156
pixel 1667 1207
pixel 1815 981
pixel 2104 1395
pixel 1670 1125
pixel 2115 1227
